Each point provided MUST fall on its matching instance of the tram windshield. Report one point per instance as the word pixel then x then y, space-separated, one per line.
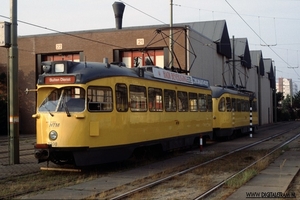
pixel 67 99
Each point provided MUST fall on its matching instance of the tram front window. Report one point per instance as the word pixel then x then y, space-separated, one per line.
pixel 68 99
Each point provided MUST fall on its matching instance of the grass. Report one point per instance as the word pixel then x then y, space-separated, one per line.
pixel 241 179
pixel 45 180
pixel 248 174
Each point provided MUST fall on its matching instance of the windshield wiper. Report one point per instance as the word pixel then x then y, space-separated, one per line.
pixel 66 108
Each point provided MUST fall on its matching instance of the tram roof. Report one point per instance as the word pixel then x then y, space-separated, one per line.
pixel 218 91
pixel 88 71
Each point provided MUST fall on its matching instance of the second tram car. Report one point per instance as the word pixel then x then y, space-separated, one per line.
pixel 231 111
pixel 93 113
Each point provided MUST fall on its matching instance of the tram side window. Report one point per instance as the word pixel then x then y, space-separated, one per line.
pixel 238 105
pixel 155 99
pixel 193 102
pixel 202 103
pixel 243 105
pixel 121 97
pixel 233 100
pixel 228 104
pixel 209 103
pixel 222 105
pixel 100 99
pixel 182 101
pixel 138 98
pixel 170 100
pixel 247 106
pixel 254 106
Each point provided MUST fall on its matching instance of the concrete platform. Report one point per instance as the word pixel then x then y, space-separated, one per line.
pixel 273 181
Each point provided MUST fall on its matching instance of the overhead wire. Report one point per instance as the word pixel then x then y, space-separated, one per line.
pixel 261 38
pixel 289 66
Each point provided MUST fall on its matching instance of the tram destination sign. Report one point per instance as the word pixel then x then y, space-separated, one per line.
pixel 176 77
pixel 59 79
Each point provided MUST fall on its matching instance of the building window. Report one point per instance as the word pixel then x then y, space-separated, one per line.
pixel 138 58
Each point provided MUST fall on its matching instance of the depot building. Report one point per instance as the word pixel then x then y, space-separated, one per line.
pixel 200 49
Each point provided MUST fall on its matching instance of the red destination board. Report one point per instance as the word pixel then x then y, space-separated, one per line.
pixel 59 79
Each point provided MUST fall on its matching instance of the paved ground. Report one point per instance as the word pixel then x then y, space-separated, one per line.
pixel 274 181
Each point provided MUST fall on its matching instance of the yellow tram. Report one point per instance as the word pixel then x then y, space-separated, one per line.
pixel 231 111
pixel 91 113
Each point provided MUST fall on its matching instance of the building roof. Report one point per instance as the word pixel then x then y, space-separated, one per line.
pixel 241 49
pixel 269 65
pixel 216 31
pixel 257 60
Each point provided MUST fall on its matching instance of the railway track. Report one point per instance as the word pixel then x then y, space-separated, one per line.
pixel 219 185
pixel 165 183
pixel 208 152
pixel 25 148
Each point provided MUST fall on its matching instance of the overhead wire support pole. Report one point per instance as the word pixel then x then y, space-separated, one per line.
pixel 233 63
pixel 171 35
pixel 13 88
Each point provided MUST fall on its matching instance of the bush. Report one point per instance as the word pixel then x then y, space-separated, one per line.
pixel 283 115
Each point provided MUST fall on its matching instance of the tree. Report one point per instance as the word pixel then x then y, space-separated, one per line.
pixel 296 104
pixel 279 98
pixel 285 107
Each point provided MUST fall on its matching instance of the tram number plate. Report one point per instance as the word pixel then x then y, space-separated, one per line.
pixel 53 144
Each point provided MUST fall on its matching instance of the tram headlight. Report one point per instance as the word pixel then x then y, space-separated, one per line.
pixel 53 135
pixel 46 68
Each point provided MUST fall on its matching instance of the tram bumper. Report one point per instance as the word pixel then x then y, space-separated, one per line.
pixel 41 152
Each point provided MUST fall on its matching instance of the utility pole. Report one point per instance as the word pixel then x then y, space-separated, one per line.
pixel 233 63
pixel 275 100
pixel 13 87
pixel 171 35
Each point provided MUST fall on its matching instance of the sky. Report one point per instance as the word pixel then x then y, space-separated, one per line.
pixel 272 26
